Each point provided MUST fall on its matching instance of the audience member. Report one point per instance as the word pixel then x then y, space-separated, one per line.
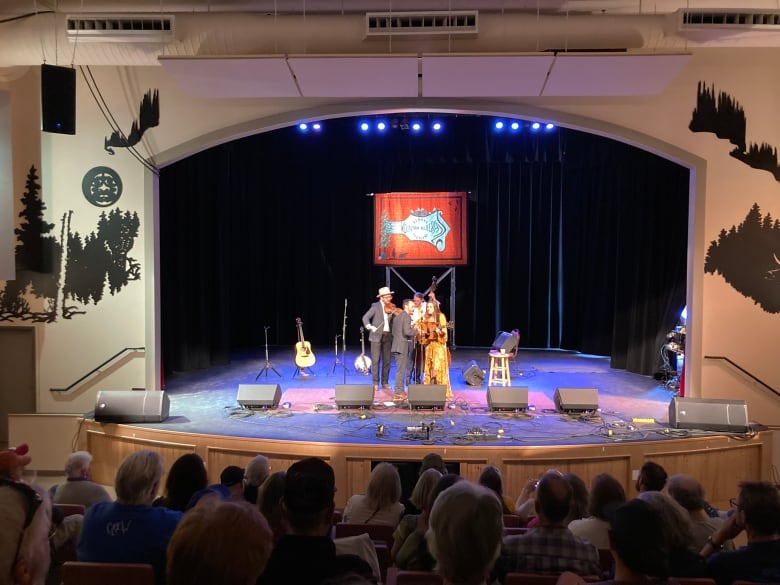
pixel 466 524
pixel 491 479
pixel 651 478
pixel 79 487
pixel 579 497
pixel 186 476
pixel 257 471
pixel 25 519
pixel 550 546
pixel 219 541
pixel 307 554
pixel 684 561
pixel 689 493
pixel 638 545
pixel 605 490
pixel 232 477
pixel 381 503
pixel 426 483
pixel 758 514
pixel 414 553
pixel 130 530
pixel 433 461
pixel 269 502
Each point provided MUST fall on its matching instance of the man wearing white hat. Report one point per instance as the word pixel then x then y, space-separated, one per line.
pixel 378 322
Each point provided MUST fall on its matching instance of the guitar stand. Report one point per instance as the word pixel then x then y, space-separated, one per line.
pixel 303 371
pixel 267 365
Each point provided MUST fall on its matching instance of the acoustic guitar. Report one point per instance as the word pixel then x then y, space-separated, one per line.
pixel 304 356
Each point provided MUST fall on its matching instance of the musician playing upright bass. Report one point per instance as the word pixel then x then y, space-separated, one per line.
pixel 432 332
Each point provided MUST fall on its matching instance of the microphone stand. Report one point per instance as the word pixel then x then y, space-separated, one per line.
pixel 268 365
pixel 344 341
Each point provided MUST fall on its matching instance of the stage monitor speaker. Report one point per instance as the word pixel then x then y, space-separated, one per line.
pixel 427 396
pixel 505 341
pixel 259 396
pixel 576 399
pixel 129 406
pixel 354 395
pixel 473 375
pixel 508 398
pixel 58 99
pixel 708 414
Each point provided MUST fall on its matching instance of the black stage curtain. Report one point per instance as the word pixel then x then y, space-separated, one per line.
pixel 576 240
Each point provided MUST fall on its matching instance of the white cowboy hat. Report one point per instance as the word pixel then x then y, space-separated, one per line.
pixel 384 291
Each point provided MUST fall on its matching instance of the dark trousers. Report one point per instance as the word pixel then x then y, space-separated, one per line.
pixel 380 350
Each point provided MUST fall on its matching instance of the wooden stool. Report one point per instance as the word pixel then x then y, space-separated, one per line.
pixel 499 369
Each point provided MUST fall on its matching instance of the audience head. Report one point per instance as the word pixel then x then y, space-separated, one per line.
pixel 604 490
pixel 219 541
pixel 25 520
pixel 232 477
pixel 759 504
pixel 426 483
pixel 77 465
pixel 13 461
pixel 651 478
pixel 309 487
pixel 578 508
pixel 138 478
pixel 553 498
pixel 384 485
pixel 676 521
pixel 686 491
pixel 465 530
pixel 433 461
pixel 491 479
pixel 637 538
pixel 445 481
pixel 257 470
pixel 186 477
pixel 269 500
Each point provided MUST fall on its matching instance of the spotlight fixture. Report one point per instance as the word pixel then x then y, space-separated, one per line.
pixel 381 126
pixel 499 125
pixel 436 126
pixel 364 127
pixel 549 126
pixel 416 126
pixel 515 126
pixel 303 126
pixel 316 126
pixel 535 126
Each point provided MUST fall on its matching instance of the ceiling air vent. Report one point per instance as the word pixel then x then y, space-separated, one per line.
pixel 703 19
pixel 456 22
pixel 121 28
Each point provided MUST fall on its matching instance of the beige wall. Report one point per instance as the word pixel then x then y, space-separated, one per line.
pixel 722 321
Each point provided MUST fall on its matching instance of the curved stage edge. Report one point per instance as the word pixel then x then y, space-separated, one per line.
pixel 720 461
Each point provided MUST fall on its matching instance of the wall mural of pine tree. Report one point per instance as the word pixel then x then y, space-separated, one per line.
pixel 98 260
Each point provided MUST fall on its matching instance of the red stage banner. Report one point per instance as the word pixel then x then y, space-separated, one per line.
pixel 420 229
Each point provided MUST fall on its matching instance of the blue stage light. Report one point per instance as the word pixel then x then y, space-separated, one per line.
pixel 303 126
pixel 364 126
pixel 535 126
pixel 381 126
pixel 436 126
pixel 316 126
pixel 550 126
pixel 416 126
pixel 515 126
pixel 499 125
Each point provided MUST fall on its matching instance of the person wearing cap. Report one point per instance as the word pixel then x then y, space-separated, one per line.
pixel 232 477
pixel 378 321
pixel 307 553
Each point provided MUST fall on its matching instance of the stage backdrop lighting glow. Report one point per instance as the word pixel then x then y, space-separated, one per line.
pixel 420 229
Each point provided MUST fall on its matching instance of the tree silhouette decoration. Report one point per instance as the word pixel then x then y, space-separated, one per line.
pixel 722 115
pixel 43 276
pixel 748 258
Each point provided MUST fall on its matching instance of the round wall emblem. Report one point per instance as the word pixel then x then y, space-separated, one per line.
pixel 101 186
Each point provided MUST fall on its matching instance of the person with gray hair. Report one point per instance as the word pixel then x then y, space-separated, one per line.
pixel 689 493
pixel 464 534
pixel 256 472
pixel 79 487
pixel 131 530
pixel 381 503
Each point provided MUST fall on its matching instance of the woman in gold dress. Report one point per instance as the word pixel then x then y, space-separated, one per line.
pixel 432 330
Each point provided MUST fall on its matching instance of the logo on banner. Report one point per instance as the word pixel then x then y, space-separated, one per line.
pixel 421 225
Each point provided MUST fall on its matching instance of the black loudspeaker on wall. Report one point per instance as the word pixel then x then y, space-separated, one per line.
pixel 508 398
pixel 473 375
pixel 708 414
pixel 58 99
pixel 576 399
pixel 259 395
pixel 354 395
pixel 129 406
pixel 427 396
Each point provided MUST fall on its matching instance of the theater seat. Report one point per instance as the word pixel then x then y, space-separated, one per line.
pixel 396 576
pixel 377 532
pixel 83 573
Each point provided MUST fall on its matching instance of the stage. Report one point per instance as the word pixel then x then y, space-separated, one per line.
pixel 629 426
